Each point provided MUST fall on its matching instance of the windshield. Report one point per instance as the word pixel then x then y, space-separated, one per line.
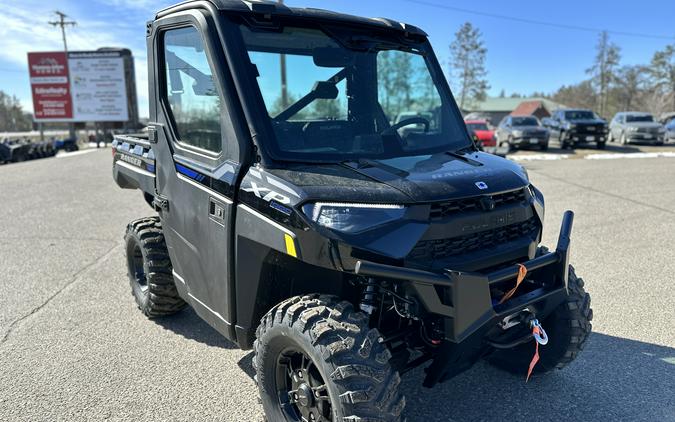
pixel 477 126
pixel 639 118
pixel 579 115
pixel 524 121
pixel 373 99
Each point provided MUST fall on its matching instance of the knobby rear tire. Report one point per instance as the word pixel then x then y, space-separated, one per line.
pixel 149 269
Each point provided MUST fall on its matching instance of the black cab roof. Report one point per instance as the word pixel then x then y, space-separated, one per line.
pixel 271 8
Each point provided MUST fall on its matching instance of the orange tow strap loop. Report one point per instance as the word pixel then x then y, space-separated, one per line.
pixel 535 358
pixel 522 272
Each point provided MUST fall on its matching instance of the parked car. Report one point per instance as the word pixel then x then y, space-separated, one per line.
pixel 483 133
pixel 548 123
pixel 633 126
pixel 522 131
pixel 670 131
pixel 578 126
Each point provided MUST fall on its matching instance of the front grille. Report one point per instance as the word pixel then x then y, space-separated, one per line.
pixel 428 250
pixel 534 134
pixel 648 129
pixel 442 210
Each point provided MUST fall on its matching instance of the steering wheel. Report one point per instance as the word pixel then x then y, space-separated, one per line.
pixel 406 122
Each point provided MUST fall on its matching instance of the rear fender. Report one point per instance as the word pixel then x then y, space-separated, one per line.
pixel 133 164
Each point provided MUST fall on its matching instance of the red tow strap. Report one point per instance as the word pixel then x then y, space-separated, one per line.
pixel 522 272
pixel 537 332
pixel 535 358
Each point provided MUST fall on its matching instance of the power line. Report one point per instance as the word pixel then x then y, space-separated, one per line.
pixel 541 23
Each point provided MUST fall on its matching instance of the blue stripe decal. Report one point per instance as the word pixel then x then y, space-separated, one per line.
pixel 190 173
pixel 280 208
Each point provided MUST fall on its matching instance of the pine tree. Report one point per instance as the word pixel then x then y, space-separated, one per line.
pixel 662 71
pixel 603 70
pixel 468 65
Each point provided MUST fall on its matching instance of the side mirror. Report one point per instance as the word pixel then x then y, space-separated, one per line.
pixel 476 142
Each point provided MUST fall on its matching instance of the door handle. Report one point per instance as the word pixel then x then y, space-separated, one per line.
pixel 216 210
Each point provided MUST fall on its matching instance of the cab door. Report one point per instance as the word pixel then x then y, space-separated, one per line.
pixel 199 147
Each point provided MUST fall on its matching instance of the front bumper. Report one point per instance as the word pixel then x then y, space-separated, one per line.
pixel 469 309
pixel 581 137
pixel 645 137
pixel 530 140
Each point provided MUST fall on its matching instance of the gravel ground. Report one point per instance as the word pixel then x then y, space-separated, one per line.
pixel 74 347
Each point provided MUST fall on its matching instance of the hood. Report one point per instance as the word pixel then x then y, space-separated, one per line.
pixel 530 128
pixel 423 178
pixel 443 176
pixel 588 122
pixel 644 124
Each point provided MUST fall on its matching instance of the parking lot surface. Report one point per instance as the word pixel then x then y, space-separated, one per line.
pixel 73 346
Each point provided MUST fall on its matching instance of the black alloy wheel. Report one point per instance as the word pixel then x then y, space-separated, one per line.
pixel 302 392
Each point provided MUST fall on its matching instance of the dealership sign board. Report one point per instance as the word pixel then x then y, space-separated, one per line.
pixel 78 86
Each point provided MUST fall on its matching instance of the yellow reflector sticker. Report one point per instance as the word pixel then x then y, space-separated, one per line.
pixel 290 245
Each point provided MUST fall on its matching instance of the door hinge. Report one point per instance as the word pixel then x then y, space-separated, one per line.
pixel 159 203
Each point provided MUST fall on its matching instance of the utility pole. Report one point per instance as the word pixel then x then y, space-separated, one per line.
pixel 62 22
pixel 284 86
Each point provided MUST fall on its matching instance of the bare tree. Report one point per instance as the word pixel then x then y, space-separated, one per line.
pixel 468 64
pixel 603 70
pixel 12 116
pixel 580 95
pixel 630 84
pixel 662 71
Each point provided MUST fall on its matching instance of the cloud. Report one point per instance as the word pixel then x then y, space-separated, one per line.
pixel 24 27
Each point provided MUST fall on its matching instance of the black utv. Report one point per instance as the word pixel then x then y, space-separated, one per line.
pixel 299 217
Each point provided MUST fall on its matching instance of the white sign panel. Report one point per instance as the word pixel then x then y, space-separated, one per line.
pixel 98 87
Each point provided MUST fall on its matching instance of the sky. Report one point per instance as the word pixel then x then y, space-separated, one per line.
pixel 522 56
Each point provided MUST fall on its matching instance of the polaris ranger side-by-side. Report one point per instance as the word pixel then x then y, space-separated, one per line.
pixel 301 217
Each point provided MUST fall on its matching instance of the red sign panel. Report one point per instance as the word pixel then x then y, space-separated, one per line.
pixel 50 86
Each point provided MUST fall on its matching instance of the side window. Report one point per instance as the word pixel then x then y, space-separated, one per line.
pixel 191 91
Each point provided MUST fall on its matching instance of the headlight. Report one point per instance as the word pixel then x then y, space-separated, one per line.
pixel 517 133
pixel 662 129
pixel 352 218
pixel 569 126
pixel 632 129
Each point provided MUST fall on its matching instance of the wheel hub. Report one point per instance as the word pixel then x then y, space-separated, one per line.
pixel 305 396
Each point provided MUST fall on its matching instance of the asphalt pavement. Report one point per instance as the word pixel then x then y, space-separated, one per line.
pixel 73 346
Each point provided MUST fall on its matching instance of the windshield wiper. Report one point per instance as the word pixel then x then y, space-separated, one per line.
pixel 458 154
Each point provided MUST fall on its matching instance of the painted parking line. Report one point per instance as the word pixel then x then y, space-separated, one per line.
pixel 534 157
pixel 607 156
pixel 74 153
pixel 616 156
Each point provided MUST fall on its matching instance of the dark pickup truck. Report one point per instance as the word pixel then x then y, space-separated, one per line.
pixel 577 126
